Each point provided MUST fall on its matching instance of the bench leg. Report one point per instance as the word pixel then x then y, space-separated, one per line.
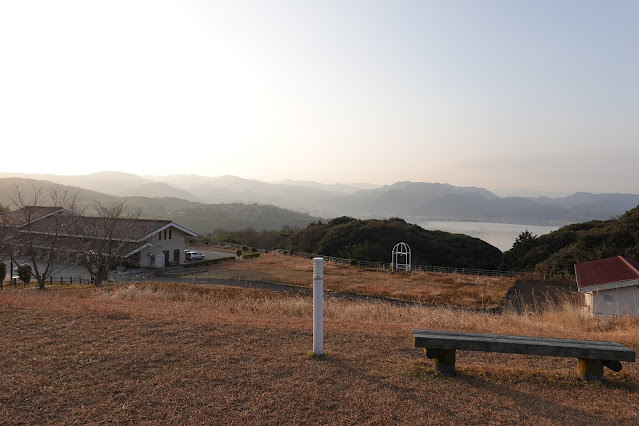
pixel 443 360
pixel 591 369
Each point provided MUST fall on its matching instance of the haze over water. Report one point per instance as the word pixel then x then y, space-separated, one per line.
pixel 500 235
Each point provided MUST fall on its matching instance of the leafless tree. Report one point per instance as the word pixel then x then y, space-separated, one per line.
pixel 4 250
pixel 106 239
pixel 40 240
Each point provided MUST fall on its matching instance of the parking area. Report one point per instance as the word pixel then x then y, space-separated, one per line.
pixel 65 271
pixel 209 252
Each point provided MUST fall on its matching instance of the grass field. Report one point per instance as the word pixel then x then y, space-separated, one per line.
pixel 449 289
pixel 175 353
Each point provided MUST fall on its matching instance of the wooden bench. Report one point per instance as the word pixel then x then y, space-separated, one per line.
pixel 592 355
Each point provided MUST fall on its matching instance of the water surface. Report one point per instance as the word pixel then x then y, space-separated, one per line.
pixel 500 235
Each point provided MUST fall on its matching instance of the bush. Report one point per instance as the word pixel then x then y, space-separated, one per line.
pixel 24 272
pixel 251 255
pixel 239 253
pixel 3 272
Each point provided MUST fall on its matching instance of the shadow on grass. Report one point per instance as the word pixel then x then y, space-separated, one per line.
pixel 500 385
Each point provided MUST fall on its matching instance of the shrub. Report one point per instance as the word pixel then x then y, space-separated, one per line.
pixel 239 253
pixel 3 272
pixel 24 272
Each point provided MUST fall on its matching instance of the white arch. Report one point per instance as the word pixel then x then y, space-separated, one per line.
pixel 401 257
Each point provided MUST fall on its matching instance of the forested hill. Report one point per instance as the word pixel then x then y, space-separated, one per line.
pixel 373 240
pixel 558 251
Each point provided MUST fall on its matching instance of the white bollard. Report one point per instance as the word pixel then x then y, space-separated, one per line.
pixel 318 306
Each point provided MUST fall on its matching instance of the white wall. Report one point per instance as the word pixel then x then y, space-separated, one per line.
pixel 619 301
pixel 159 245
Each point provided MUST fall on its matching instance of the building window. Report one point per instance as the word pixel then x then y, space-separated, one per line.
pixel 169 234
pixel 608 297
pixel 160 234
pixel 165 234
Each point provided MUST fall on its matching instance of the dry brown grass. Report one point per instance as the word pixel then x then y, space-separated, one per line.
pixel 174 353
pixel 429 288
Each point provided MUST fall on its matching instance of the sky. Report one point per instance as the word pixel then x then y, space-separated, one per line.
pixel 519 97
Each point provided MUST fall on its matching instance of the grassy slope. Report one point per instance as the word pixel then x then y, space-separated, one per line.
pixel 449 289
pixel 195 354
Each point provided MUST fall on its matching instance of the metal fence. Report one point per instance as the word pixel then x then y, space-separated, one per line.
pixel 417 267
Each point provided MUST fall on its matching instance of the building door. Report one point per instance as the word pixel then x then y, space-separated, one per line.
pixel 176 256
pixel 166 258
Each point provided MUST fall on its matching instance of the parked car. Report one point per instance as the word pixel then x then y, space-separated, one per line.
pixel 194 255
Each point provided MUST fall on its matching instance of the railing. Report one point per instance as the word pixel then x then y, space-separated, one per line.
pixel 15 281
pixel 424 268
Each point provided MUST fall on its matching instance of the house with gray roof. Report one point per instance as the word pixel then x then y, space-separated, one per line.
pixel 147 243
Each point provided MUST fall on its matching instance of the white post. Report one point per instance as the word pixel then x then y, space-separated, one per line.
pixel 318 306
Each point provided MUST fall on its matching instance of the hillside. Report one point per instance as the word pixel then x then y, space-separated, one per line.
pixel 373 240
pixel 158 190
pixel 198 217
pixel 580 242
pixel 413 201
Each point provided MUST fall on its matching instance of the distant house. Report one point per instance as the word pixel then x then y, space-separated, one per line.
pixel 610 286
pixel 147 243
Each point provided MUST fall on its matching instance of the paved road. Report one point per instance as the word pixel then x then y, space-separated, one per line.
pixel 262 285
pixel 78 271
pixel 64 270
pixel 209 253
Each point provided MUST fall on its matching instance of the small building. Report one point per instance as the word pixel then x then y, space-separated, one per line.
pixel 147 243
pixel 610 286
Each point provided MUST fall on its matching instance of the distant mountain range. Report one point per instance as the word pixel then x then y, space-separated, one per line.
pixel 412 201
pixel 199 217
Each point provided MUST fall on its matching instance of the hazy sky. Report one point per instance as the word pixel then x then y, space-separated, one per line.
pixel 507 95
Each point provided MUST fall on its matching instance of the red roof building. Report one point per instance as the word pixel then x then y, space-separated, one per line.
pixel 610 286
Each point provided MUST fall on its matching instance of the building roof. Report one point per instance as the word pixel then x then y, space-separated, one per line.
pixel 83 245
pixel 612 272
pixel 29 214
pixel 125 229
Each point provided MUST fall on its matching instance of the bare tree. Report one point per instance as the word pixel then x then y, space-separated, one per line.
pixel 39 223
pixel 4 247
pixel 106 241
pixel 4 234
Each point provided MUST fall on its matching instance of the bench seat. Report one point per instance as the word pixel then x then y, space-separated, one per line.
pixel 592 354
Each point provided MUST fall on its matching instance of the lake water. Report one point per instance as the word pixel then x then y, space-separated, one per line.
pixel 500 235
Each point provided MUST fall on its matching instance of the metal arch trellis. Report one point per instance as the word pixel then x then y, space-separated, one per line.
pixel 401 257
